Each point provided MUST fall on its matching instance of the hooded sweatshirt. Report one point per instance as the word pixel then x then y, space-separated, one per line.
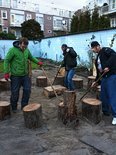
pixel 16 60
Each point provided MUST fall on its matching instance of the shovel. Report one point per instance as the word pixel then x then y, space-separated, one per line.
pixel 91 86
pixel 51 84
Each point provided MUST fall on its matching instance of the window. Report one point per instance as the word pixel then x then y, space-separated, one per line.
pixel 113 4
pixel 4 14
pixel 49 18
pixel 113 22
pixel 12 18
pixel 49 31
pixel 5 29
pixel 29 16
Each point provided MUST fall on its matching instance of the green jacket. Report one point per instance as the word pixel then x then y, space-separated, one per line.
pixel 16 61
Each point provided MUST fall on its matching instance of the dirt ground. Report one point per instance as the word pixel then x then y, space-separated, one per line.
pixel 53 138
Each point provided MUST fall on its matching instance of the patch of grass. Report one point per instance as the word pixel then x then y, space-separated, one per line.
pixel 1 66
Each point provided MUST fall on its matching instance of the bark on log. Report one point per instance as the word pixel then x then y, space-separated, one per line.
pixel 49 92
pixel 67 111
pixel 91 109
pixel 78 83
pixel 33 115
pixel 59 80
pixel 4 85
pixel 4 110
pixel 41 81
pixel 91 79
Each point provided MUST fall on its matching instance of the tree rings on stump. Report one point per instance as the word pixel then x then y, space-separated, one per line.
pixel 33 115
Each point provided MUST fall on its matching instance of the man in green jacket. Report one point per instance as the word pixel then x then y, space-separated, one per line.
pixel 16 68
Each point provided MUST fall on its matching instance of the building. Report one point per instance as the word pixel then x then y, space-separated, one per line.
pixel 106 7
pixel 53 19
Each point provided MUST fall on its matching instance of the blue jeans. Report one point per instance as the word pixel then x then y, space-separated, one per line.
pixel 108 95
pixel 16 83
pixel 68 79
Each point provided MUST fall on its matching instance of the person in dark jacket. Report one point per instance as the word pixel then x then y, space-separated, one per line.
pixel 69 62
pixel 16 67
pixel 106 63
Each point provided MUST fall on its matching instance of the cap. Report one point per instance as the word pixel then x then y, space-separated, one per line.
pixel 94 43
pixel 64 45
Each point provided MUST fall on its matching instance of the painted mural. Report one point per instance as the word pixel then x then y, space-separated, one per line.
pixel 50 48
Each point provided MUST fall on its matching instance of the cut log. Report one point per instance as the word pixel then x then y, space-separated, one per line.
pixel 33 115
pixel 62 71
pixel 59 80
pixel 49 92
pixel 41 81
pixel 91 79
pixel 4 85
pixel 91 109
pixel 4 110
pixel 78 83
pixel 61 111
pixel 67 110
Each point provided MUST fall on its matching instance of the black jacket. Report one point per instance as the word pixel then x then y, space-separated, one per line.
pixel 70 60
pixel 107 58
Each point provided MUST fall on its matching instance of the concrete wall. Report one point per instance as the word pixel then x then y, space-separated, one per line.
pixel 51 47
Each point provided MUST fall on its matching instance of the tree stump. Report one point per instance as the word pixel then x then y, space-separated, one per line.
pixel 91 79
pixel 49 92
pixel 92 109
pixel 33 115
pixel 41 81
pixel 67 110
pixel 78 83
pixel 4 110
pixel 61 111
pixel 4 85
pixel 98 92
pixel 59 80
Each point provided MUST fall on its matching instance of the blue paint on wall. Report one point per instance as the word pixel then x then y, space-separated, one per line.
pixel 51 47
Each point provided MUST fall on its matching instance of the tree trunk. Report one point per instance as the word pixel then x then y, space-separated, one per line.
pixel 78 83
pixel 32 115
pixel 41 81
pixel 59 80
pixel 91 109
pixel 4 85
pixel 67 111
pixel 4 110
pixel 91 79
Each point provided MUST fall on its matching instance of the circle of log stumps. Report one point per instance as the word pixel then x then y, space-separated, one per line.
pixel 4 110
pixel 4 85
pixel 41 81
pixel 78 83
pixel 92 109
pixel 33 115
pixel 67 110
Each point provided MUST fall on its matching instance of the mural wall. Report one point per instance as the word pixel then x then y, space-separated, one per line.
pixel 51 47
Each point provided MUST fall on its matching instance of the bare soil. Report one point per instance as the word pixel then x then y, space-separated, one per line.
pixel 53 138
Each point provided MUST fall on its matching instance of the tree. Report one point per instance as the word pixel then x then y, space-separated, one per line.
pixel 74 24
pixel 104 22
pixel 32 30
pixel 7 36
pixel 86 20
pixel 95 20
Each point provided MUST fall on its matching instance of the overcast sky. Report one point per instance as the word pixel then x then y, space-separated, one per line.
pixel 71 4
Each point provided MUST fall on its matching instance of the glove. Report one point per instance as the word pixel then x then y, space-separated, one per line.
pixel 40 63
pixel 6 76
